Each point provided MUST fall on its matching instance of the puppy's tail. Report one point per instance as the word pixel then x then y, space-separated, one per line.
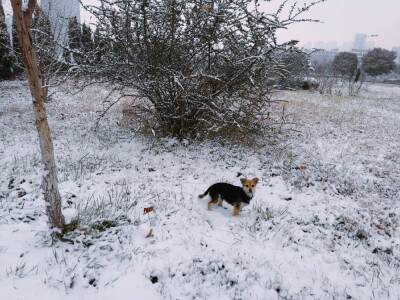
pixel 203 195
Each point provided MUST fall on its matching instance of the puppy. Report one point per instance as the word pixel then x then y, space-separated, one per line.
pixel 239 197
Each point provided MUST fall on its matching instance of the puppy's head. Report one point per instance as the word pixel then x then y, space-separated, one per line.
pixel 249 186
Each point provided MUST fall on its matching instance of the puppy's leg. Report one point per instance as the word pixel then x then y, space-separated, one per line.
pixel 214 199
pixel 235 210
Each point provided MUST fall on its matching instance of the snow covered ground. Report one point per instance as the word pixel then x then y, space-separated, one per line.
pixel 324 222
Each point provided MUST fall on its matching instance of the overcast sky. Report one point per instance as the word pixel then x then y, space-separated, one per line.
pixel 342 19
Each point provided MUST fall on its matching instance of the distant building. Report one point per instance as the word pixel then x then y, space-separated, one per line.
pixel 322 45
pixel 347 46
pixel 370 45
pixel 331 45
pixel 327 56
pixel 360 47
pixel 8 15
pixel 359 41
pixel 323 56
pixel 319 45
pixel 60 13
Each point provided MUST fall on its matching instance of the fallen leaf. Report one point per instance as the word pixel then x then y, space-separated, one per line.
pixel 148 209
pixel 302 167
pixel 21 194
pixel 149 235
pixel 379 227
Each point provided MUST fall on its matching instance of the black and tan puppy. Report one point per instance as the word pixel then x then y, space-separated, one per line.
pixel 234 195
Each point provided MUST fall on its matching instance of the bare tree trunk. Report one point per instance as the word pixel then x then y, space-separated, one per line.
pixel 49 181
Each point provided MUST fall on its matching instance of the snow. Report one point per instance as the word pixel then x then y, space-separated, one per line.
pixel 324 222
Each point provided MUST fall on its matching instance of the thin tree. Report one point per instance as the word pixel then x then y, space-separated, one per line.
pixel 23 20
pixel 18 67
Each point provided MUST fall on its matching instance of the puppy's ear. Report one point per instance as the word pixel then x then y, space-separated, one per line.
pixel 255 180
pixel 243 180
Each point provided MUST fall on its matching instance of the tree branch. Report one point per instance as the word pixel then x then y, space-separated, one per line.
pixel 29 12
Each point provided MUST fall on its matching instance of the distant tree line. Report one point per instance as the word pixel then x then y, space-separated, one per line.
pixel 347 69
pixel 376 62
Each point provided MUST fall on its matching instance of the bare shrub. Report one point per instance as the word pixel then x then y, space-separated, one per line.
pixel 203 68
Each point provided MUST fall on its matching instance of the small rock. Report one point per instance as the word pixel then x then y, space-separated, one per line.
pixel 92 282
pixel 361 234
pixel 388 251
pixel 153 279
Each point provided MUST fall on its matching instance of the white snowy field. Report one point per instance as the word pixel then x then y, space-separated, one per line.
pixel 324 223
